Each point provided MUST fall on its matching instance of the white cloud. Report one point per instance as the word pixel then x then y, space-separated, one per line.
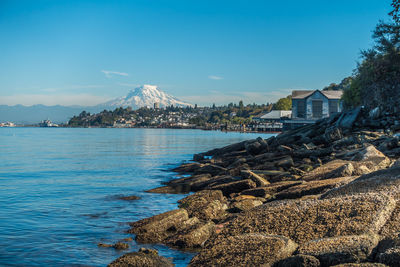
pixel 54 99
pixel 220 98
pixel 213 77
pixel 110 73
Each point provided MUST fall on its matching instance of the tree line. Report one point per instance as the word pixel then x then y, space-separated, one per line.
pixel 376 79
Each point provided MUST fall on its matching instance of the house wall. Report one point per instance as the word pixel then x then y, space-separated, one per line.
pixel 294 108
pixel 325 105
pixel 315 96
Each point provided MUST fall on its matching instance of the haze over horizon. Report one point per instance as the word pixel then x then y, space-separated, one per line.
pixel 203 52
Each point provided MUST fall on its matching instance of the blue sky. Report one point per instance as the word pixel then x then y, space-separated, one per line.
pixel 85 52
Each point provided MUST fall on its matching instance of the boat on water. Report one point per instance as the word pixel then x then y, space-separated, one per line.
pixel 7 124
pixel 47 123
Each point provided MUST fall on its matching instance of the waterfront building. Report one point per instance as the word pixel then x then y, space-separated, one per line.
pixel 271 121
pixel 315 104
pixel 308 106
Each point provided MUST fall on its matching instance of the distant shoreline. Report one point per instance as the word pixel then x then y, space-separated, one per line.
pixel 148 127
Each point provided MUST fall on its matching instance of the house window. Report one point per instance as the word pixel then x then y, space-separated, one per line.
pixel 333 107
pixel 317 109
pixel 301 108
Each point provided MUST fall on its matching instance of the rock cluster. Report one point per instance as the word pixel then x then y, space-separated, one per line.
pixel 326 194
pixel 143 258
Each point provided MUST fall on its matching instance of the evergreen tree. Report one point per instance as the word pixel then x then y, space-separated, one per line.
pixel 241 106
pixel 395 13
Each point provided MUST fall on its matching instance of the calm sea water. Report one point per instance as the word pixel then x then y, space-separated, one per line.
pixel 59 189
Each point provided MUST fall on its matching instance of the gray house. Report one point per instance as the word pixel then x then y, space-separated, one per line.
pixel 315 104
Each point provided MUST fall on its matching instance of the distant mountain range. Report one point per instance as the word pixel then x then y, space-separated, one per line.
pixel 34 114
pixel 142 96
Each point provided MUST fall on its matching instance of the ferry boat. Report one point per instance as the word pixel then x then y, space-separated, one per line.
pixel 47 123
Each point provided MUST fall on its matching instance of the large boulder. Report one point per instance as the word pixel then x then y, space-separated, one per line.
pixel 234 187
pixel 306 220
pixel 316 153
pixel 332 169
pixel 285 162
pixel 371 154
pixel 237 163
pixel 384 181
pixel 245 250
pixel 143 258
pixel 347 119
pixel 391 229
pixel 313 187
pixel 254 148
pixel 187 167
pixel 205 205
pixel 192 237
pixel 117 246
pixel 121 246
pixel 270 174
pixel 390 257
pixel 129 198
pixel 341 249
pixel 228 149
pixel 345 170
pixel 157 228
pixel 271 189
pixel 298 135
pixel 299 261
pixel 170 189
pixel 210 169
pixel 190 180
pixel 213 181
pixel 260 181
pixel 198 157
pixel 333 133
pixel 246 204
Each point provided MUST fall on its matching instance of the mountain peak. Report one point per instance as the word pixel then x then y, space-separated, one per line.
pixel 146 95
pixel 145 89
pixel 149 87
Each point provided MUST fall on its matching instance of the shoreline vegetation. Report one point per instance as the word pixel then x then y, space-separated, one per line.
pixel 231 117
pixel 320 195
pixel 208 117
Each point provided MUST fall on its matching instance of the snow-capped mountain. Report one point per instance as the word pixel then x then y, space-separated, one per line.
pixel 146 95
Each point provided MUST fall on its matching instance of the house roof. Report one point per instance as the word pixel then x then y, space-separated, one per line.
pixel 277 114
pixel 330 94
pixel 300 94
pixel 333 94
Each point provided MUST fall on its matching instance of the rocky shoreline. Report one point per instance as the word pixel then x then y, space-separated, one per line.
pixel 326 194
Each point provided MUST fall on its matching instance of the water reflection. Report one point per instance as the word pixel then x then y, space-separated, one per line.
pixel 58 188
